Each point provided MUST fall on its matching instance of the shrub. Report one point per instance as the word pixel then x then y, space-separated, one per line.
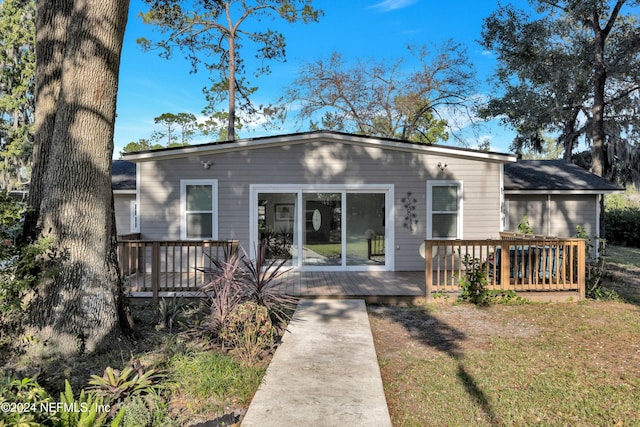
pixel 224 289
pixel 621 226
pixel 596 269
pixel 249 331
pixel 169 310
pixel 22 264
pixel 237 280
pixel 26 393
pixel 524 226
pixel 263 280
pixel 474 283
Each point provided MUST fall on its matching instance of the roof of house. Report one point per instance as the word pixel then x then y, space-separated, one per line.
pixel 531 176
pixel 317 136
pixel 123 175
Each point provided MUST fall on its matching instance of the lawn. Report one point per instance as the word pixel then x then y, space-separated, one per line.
pixel 547 364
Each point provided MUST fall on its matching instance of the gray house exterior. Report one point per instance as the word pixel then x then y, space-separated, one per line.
pixel 556 197
pixel 332 201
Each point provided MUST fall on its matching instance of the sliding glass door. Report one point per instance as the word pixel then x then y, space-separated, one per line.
pixel 322 236
pixel 277 228
pixel 365 229
pixel 324 229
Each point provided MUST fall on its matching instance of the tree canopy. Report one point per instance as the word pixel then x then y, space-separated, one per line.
pixel 17 69
pixel 213 34
pixel 387 97
pixel 571 70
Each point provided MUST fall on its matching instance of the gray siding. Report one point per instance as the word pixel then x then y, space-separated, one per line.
pixel 559 217
pixel 321 163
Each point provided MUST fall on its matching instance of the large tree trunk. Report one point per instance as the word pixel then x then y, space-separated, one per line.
pixel 79 44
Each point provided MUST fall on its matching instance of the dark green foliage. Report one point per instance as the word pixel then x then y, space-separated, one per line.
pixel 596 269
pixel 169 310
pixel 21 266
pixel 474 283
pixel 25 392
pixel 622 226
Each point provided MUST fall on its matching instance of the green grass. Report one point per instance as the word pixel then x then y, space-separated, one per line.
pixel 209 380
pixel 622 256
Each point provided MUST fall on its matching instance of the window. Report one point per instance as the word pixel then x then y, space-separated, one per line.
pixel 134 224
pixel 444 209
pixel 199 203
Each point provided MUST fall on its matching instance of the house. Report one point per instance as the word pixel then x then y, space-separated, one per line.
pixel 336 201
pixel 555 196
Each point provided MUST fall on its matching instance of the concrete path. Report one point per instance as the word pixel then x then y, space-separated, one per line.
pixel 325 372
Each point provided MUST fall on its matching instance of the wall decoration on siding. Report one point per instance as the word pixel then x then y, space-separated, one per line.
pixel 410 219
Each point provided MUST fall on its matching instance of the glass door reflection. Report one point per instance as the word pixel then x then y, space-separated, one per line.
pixel 322 231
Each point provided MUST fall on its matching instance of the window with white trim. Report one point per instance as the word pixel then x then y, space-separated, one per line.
pixel 444 209
pixel 199 206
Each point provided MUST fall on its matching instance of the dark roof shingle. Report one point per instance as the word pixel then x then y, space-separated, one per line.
pixel 553 175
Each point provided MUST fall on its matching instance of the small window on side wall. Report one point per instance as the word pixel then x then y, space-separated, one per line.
pixel 199 205
pixel 444 209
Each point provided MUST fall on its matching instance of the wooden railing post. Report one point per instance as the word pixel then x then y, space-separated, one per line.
pixel 428 257
pixel 155 270
pixel 582 268
pixel 505 265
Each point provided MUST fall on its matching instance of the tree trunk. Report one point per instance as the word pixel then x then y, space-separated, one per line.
pixel 79 45
pixel 231 129
pixel 50 44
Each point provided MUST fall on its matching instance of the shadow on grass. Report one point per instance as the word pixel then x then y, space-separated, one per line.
pixel 435 333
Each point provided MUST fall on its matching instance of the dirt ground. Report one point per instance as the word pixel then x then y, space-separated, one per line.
pixel 452 329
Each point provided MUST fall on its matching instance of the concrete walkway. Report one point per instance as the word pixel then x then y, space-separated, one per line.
pixel 325 372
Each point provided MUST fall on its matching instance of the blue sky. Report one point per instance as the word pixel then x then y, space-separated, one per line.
pixel 150 86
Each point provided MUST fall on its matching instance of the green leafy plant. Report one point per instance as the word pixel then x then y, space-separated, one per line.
pixel 87 410
pixel 26 393
pixel 169 310
pixel 278 244
pixel 474 282
pixel 249 331
pixel 524 227
pixel 116 385
pixel 22 264
pixel 596 269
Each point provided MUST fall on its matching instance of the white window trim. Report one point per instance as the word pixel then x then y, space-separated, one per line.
pixel 430 212
pixel 299 189
pixel 183 206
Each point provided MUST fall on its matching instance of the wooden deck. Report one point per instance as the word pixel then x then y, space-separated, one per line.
pixel 372 286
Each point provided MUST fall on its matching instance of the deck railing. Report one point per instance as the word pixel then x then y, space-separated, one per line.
pixel 151 266
pixel 514 262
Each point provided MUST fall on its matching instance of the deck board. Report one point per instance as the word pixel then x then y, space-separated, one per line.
pixel 370 285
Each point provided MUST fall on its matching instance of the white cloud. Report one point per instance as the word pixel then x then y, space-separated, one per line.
pixel 388 5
